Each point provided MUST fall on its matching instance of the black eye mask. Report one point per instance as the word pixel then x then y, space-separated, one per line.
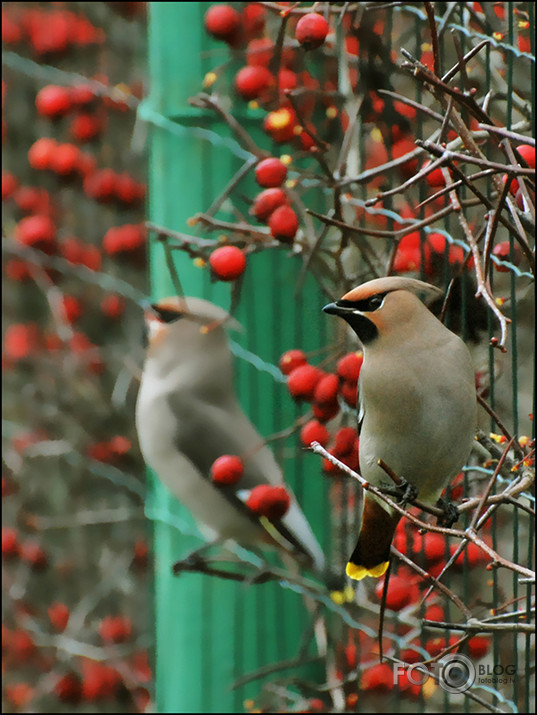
pixel 166 315
pixel 367 305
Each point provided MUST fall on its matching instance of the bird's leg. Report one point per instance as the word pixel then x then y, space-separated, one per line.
pixel 450 512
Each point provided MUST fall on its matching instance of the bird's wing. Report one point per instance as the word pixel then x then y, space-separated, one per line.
pixel 208 430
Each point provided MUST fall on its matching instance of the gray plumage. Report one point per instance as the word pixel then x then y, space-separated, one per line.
pixel 188 415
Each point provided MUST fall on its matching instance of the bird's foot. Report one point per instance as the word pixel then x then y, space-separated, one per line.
pixel 450 513
pixel 193 562
pixel 261 575
pixel 404 492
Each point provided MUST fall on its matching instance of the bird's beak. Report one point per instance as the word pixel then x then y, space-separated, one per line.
pixel 335 309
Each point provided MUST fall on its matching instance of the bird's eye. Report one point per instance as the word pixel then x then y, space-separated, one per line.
pixel 375 302
pixel 166 315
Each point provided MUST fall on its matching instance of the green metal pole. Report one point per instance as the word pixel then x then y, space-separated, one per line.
pixel 210 632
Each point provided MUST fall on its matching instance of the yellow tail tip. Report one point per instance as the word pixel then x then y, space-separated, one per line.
pixel 359 572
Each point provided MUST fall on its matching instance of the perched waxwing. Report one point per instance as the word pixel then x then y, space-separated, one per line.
pixel 188 415
pixel 417 403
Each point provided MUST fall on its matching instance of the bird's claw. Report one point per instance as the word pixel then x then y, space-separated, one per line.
pixel 450 513
pixel 404 492
pixel 192 562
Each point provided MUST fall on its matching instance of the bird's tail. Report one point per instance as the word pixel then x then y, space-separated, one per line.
pixel 371 555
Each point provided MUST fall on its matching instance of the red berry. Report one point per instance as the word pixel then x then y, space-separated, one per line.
pixel 348 367
pixel 291 360
pixel 408 256
pixel 434 547
pixel 280 124
pixel 82 95
pixel 58 615
pixel 271 502
pixel 436 243
pixel 101 185
pixel 115 629
pixel 34 554
pixel 325 412
pixel 270 172
pixel 400 592
pixel 329 467
pixel 227 263
pixel 436 645
pixel 53 101
pixel 283 224
pixel 399 149
pixel 434 178
pixel 378 678
pixel 514 186
pixel 302 382
pixel 527 152
pixel 253 19
pixel 478 646
pixel 65 159
pixel 128 190
pixel 99 681
pixel 222 22
pixel 9 185
pixel 37 231
pixel 113 306
pixel 259 52
pixel 311 30
pixel 345 441
pixel 20 341
pixel 314 431
pixel 85 127
pixel 435 613
pixel 253 81
pixel 69 688
pixel 503 252
pixel 412 655
pixel 227 469
pixel 10 544
pixel 326 390
pixel 72 308
pixel 124 239
pixel 349 392
pixel 287 80
pixel 266 202
pixel 41 153
pixel 78 253
pixel 32 200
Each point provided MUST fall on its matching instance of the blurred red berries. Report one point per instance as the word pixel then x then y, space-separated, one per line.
pixel 222 22
pixel 53 101
pixel 269 501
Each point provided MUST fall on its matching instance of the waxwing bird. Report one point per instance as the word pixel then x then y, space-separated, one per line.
pixel 188 415
pixel 417 403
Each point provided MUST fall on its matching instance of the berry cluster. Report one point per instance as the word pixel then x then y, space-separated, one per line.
pixel 73 213
pixel 327 392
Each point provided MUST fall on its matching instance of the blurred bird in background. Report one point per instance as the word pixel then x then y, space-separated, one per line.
pixel 188 416
pixel 417 403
